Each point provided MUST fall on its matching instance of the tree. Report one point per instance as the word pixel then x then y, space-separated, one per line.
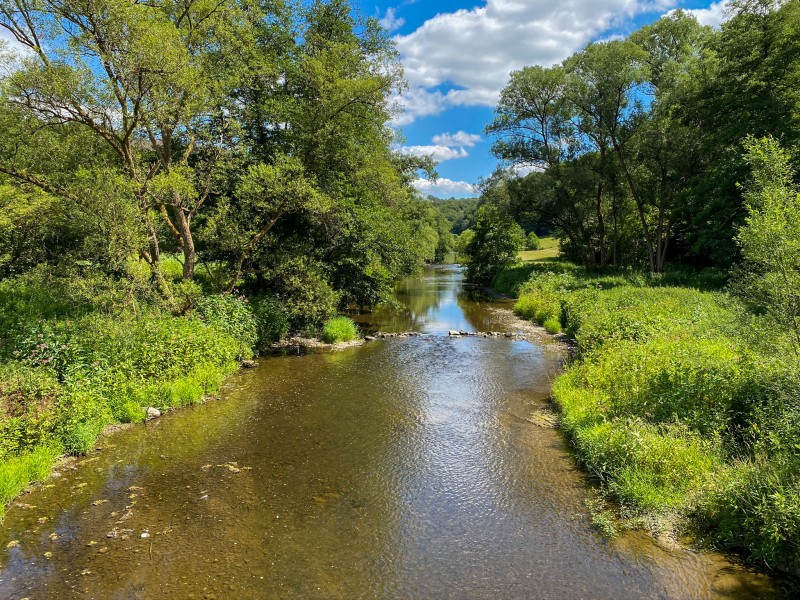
pixel 770 237
pixel 497 241
pixel 149 81
pixel 532 241
pixel 746 84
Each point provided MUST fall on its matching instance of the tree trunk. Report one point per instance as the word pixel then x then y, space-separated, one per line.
pixel 601 225
pixel 183 225
pixel 639 205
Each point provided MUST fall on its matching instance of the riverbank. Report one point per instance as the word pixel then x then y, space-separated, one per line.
pixel 680 402
pixel 75 362
pixel 433 450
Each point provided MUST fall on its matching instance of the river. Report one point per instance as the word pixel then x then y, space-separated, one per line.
pixel 420 467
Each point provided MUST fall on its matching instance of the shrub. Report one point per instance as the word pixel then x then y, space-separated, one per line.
pixel 272 320
pixel 232 315
pixel 552 326
pixel 339 329
pixel 681 403
pixel 532 242
pixel 131 412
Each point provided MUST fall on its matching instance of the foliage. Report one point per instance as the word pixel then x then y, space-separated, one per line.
pixel 460 214
pixel 636 142
pixel 495 245
pixel 339 329
pixel 770 238
pixel 17 473
pixel 679 403
pixel 77 354
pixel 532 241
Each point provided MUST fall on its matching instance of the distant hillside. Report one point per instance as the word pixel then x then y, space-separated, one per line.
pixel 458 212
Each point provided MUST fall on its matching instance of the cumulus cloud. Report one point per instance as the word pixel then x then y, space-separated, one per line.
pixel 391 21
pixel 460 138
pixel 439 153
pixel 715 15
pixel 473 51
pixel 444 187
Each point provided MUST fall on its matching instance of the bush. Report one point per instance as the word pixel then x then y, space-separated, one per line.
pixel 272 320
pixel 552 326
pixel 232 315
pixel 340 329
pixel 532 242
pixel 72 363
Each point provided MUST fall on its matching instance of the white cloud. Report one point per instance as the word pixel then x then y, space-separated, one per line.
pixel 8 40
pixel 439 153
pixel 474 51
pixel 715 15
pixel 444 187
pixel 460 138
pixel 391 21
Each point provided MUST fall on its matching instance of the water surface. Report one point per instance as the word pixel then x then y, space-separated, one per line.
pixel 407 468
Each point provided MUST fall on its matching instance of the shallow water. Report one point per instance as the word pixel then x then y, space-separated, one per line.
pixel 408 468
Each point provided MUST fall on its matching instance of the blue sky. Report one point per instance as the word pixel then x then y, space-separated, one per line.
pixel 458 55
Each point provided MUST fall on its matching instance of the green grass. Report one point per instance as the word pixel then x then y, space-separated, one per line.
pixel 74 360
pixel 338 330
pixel 548 249
pixel 680 402
pixel 19 472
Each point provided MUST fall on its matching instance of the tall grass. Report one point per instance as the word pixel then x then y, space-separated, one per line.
pixel 72 363
pixel 683 404
pixel 339 329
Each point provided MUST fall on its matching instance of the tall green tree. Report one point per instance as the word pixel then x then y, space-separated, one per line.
pixel 147 81
pixel 770 237
pixel 495 244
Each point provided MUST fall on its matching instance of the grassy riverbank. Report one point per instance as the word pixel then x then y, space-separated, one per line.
pixel 78 354
pixel 681 402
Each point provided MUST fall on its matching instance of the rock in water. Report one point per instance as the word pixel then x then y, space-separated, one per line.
pixel 248 364
pixel 152 413
pixel 454 333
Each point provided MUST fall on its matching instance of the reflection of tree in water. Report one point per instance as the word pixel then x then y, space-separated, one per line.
pixel 418 298
pixel 474 304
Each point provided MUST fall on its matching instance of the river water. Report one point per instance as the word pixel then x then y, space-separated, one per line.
pixel 406 468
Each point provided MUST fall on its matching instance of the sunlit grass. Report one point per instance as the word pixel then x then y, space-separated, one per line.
pixel 549 249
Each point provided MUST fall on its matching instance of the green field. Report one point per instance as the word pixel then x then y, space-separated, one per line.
pixel 549 249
